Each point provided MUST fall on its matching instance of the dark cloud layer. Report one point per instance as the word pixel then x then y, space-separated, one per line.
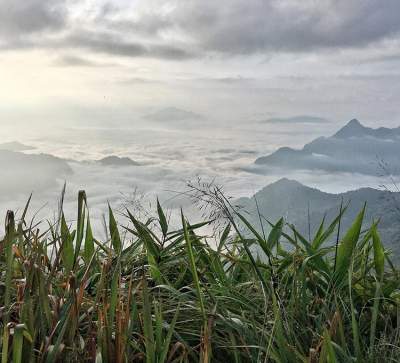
pixel 262 26
pixel 259 26
pixel 113 44
pixel 234 27
pixel 27 17
pixel 74 61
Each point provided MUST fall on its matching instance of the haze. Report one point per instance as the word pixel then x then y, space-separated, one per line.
pixel 97 61
pixel 189 88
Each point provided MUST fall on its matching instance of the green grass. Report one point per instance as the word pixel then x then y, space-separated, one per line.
pixel 152 293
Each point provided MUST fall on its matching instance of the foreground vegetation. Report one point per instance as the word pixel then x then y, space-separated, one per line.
pixel 153 294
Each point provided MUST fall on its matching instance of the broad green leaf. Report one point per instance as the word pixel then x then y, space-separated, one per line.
pixel 261 241
pixel 89 242
pixel 327 352
pixel 9 257
pixel 148 329
pixel 114 233
pixel 67 245
pixel 114 289
pixel 379 253
pixel 80 223
pixel 318 241
pixel 145 236
pixel 347 245
pixel 193 267
pixel 167 340
pixel 319 232
pixel 224 237
pixel 18 341
pixel 162 219
pixel 275 234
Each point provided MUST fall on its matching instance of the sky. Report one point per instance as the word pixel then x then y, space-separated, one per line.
pixel 187 88
pixel 234 61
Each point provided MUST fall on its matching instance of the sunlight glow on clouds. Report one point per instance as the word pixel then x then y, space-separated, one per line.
pixel 145 53
pixel 186 87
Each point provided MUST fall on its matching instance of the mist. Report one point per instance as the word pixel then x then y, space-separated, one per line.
pixel 185 90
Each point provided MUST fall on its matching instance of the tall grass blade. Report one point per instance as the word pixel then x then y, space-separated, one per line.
pixel 347 246
pixel 114 233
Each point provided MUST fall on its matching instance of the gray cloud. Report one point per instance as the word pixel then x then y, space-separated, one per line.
pixel 74 61
pixel 228 80
pixel 236 27
pixel 385 57
pixel 109 43
pixel 259 26
pixel 172 114
pixel 137 80
pixel 388 77
pixel 19 18
pixel 43 24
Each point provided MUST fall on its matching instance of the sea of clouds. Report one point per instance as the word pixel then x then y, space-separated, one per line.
pixel 169 154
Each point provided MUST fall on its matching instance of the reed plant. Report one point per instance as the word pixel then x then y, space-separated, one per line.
pixel 153 293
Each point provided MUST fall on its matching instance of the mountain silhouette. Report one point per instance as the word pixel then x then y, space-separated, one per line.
pixel 354 149
pixel 304 206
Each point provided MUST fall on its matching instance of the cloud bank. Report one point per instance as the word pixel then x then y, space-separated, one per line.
pixel 181 29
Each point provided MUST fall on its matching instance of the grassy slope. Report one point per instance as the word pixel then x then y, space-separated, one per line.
pixel 159 295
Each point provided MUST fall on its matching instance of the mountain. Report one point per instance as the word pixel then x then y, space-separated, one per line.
pixel 354 128
pixel 15 146
pixel 294 201
pixel 354 148
pixel 117 161
pixel 23 173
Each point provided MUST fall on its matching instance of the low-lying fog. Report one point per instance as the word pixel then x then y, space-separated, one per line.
pixel 167 158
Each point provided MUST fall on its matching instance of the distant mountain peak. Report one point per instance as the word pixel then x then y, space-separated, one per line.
pixel 285 185
pixel 354 122
pixel 171 114
pixel 354 148
pixel 114 160
pixel 352 128
pixel 305 207
pixel 287 181
pixel 15 146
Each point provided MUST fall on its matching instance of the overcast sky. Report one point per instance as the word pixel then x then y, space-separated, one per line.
pixel 232 60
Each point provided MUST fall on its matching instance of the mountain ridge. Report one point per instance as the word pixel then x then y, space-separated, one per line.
pixel 113 160
pixel 15 146
pixel 295 201
pixel 355 128
pixel 354 148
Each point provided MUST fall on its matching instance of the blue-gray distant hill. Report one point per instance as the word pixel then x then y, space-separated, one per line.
pixel 292 200
pixel 354 148
pixel 24 173
pixel 15 146
pixel 118 161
